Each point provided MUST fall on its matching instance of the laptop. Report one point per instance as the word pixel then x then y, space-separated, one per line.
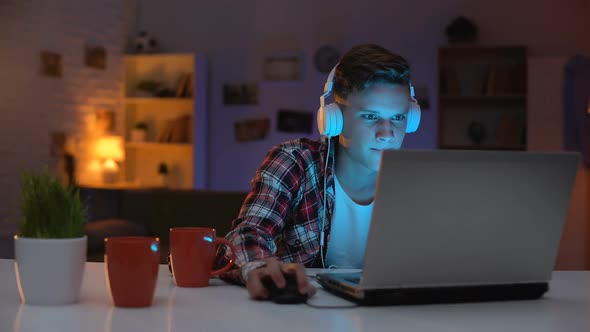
pixel 461 226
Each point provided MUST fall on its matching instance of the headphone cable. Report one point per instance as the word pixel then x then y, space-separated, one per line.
pixel 325 216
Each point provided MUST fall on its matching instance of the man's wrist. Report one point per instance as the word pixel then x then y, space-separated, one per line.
pixel 249 267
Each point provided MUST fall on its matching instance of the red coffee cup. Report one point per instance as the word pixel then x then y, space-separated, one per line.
pixel 192 254
pixel 131 266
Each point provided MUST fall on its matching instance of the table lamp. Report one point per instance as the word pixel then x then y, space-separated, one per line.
pixel 110 151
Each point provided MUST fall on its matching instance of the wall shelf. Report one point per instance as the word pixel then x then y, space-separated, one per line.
pixel 482 98
pixel 155 100
pixel 484 147
pixel 176 131
pixel 157 145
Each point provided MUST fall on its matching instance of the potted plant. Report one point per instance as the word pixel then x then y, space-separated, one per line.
pixel 139 132
pixel 50 245
pixel 163 173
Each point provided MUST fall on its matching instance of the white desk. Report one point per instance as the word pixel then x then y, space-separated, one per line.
pixel 223 307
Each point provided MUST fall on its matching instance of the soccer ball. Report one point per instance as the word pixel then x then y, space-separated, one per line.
pixel 145 43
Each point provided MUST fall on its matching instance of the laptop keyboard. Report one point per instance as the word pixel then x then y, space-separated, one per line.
pixel 354 280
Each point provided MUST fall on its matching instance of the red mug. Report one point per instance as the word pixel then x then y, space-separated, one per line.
pixel 131 266
pixel 192 254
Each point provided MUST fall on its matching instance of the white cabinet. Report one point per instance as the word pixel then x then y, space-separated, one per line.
pixel 166 94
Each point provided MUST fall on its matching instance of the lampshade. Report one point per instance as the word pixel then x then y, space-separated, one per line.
pixel 110 147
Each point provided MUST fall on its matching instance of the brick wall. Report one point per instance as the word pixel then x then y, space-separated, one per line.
pixel 31 105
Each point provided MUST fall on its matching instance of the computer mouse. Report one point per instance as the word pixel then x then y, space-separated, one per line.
pixel 287 295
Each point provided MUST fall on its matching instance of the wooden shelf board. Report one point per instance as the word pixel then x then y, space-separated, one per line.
pixel 149 100
pixel 516 147
pixel 157 145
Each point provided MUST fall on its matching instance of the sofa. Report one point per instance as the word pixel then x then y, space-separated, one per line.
pixel 153 213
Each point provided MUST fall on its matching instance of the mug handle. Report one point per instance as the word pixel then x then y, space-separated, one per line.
pixel 220 240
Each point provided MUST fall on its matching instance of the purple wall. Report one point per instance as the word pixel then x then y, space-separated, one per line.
pixel 236 35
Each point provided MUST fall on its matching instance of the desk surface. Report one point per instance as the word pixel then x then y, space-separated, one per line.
pixel 224 307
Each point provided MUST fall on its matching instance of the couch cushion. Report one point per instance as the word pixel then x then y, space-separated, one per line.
pixel 160 210
pixel 99 229
pixel 7 232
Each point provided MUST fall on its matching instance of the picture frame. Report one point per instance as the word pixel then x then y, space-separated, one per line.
pixel 240 94
pixel 51 64
pixel 248 130
pixel 95 57
pixel 283 67
pixel 294 121
pixel 104 121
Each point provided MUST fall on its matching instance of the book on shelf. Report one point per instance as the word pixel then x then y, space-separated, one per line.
pixel 165 132
pixel 190 86
pixel 181 129
pixel 184 86
pixel 490 89
pixel 506 79
pixel 177 130
pixel 450 84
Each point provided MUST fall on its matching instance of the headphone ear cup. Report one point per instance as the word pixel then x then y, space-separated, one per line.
pixel 330 120
pixel 414 115
pixel 338 121
pixel 321 121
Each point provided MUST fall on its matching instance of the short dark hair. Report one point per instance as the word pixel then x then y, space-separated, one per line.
pixel 367 64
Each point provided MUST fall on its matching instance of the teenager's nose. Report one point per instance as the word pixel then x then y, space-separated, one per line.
pixel 385 132
pixel 385 139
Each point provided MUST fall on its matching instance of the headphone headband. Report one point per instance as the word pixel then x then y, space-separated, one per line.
pixel 330 84
pixel 330 81
pixel 330 120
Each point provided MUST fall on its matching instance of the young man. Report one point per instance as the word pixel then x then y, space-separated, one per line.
pixel 311 201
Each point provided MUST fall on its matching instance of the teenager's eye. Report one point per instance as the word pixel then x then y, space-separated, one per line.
pixel 369 116
pixel 399 117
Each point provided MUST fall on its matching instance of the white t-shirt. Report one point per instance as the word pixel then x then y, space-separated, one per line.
pixel 348 232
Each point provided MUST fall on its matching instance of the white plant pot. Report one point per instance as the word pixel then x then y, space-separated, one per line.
pixel 49 271
pixel 138 135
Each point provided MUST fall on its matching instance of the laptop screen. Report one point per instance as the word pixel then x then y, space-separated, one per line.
pixel 449 217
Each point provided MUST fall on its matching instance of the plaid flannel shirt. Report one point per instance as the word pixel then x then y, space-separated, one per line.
pixel 282 214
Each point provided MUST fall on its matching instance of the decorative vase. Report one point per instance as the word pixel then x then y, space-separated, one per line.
pixel 163 180
pixel 138 135
pixel 49 271
pixel 477 132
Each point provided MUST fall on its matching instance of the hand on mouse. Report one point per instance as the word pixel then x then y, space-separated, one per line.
pixel 275 269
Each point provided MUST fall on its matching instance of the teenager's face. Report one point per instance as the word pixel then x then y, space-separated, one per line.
pixel 375 119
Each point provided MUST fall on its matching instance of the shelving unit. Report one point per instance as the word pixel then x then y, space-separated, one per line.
pixel 176 119
pixel 157 145
pixel 152 100
pixel 482 98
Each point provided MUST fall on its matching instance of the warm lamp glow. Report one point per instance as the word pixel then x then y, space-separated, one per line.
pixel 110 171
pixel 110 164
pixel 110 148
pixel 94 166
